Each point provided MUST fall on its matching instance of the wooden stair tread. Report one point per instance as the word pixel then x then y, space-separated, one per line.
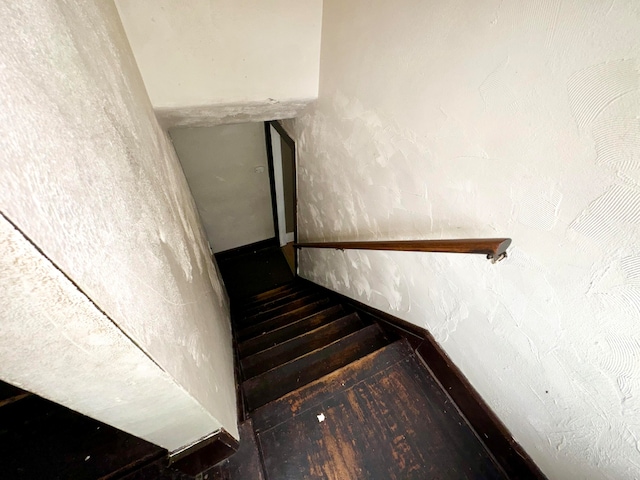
pixel 297 346
pixel 285 332
pixel 274 292
pixel 283 319
pixel 280 309
pixel 281 380
pixel 248 310
pixel 323 388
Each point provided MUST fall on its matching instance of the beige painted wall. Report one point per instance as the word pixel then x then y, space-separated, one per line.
pixel 224 61
pixel 233 199
pixel 111 304
pixel 448 119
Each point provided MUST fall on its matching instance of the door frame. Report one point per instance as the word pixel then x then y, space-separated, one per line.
pixel 282 133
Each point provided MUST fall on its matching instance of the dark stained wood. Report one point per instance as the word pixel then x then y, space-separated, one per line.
pixel 282 290
pixel 41 439
pixel 296 373
pixel 290 330
pixel 205 454
pixel 247 249
pixel 397 424
pixel 486 246
pixel 245 463
pixel 275 302
pixel 494 434
pixel 283 319
pixel 253 273
pixel 300 345
pixel 277 310
pixel 324 388
pixel 10 394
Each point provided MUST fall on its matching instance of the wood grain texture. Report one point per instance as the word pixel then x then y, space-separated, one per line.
pixel 325 387
pixel 289 330
pixel 287 377
pixel 397 424
pixel 283 319
pixel 300 345
pixel 486 246
pixel 494 434
pixel 275 310
pixel 271 303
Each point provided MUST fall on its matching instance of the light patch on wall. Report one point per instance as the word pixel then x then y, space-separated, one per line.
pixel 593 89
pixel 609 215
pixel 616 135
pixel 537 205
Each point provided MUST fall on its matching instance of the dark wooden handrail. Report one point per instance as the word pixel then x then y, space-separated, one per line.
pixel 494 248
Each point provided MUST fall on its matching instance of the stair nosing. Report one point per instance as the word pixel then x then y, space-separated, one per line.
pixel 288 294
pixel 319 302
pixel 348 315
pixel 266 312
pixel 337 307
pixel 371 326
pixel 395 344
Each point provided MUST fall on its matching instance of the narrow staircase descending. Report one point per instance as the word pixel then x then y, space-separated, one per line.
pixel 294 335
pixel 326 393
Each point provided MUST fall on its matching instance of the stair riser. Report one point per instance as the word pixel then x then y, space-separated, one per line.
pixel 290 376
pixel 268 340
pixel 247 311
pixel 280 310
pixel 281 320
pixel 296 347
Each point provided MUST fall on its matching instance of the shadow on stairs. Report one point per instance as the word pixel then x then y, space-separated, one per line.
pixel 326 393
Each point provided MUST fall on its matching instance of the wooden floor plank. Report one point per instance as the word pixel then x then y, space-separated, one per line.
pixel 394 425
pixel 324 388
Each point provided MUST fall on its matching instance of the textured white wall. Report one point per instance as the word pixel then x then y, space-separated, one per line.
pixel 225 61
pixel 89 177
pixel 445 119
pixel 234 201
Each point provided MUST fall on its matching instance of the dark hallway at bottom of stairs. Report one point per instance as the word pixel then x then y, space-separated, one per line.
pixel 327 394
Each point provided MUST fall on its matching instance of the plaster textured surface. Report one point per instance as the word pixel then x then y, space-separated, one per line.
pixel 482 119
pixel 223 61
pixel 90 178
pixel 234 201
pixel 55 342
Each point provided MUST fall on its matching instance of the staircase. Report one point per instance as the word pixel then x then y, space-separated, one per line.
pixel 327 394
pixel 293 335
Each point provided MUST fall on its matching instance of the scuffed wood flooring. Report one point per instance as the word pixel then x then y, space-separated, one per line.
pixel 381 417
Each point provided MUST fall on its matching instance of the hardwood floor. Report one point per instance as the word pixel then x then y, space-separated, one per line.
pixel 329 395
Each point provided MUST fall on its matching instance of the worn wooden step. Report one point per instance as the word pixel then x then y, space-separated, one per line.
pixel 300 345
pixel 280 309
pixel 322 389
pixel 269 294
pixel 294 374
pixel 293 329
pixel 276 301
pixel 283 319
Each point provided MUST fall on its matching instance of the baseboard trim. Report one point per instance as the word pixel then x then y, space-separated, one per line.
pixel 515 462
pixel 205 453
